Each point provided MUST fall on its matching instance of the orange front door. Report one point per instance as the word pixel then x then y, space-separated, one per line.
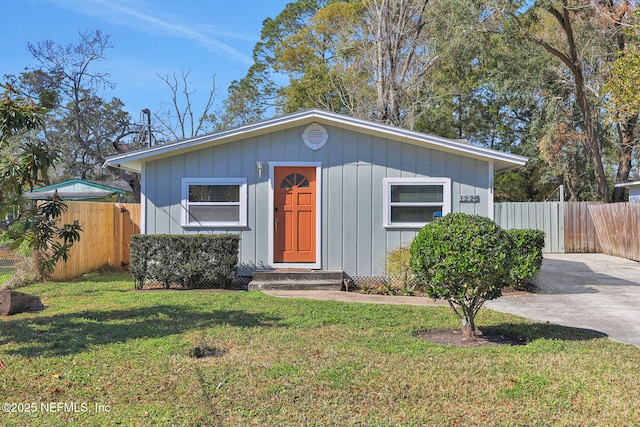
pixel 294 219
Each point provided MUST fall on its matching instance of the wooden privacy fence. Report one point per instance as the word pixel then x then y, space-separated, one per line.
pixel 618 228
pixel 107 230
pixel 580 234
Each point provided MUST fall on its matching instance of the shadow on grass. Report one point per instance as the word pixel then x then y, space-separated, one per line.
pixel 521 334
pixel 73 333
pixel 104 276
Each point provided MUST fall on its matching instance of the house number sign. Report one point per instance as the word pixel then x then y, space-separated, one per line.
pixel 469 198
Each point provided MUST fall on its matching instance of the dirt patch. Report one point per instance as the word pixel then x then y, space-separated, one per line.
pixel 455 337
pixel 206 351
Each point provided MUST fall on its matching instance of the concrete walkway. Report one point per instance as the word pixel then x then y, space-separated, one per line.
pixel 590 291
pixel 355 297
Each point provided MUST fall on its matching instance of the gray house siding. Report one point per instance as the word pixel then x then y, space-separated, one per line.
pixel 353 166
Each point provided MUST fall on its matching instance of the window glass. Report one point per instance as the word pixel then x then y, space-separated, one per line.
pixel 413 214
pixel 416 193
pixel 214 193
pixel 295 180
pixel 199 213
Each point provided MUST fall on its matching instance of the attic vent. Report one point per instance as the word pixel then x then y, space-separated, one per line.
pixel 315 136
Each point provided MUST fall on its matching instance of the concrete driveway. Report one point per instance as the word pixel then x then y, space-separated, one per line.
pixel 591 291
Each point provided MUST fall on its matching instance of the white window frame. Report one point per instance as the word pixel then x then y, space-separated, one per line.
pixel 242 203
pixel 388 182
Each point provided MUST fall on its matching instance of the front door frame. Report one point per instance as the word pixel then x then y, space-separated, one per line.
pixel 311 265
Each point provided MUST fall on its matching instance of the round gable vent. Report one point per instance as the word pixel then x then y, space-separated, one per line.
pixel 315 136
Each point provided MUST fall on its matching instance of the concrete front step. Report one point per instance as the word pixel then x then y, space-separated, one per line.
pixel 290 279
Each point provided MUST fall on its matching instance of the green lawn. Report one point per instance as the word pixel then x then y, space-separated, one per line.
pixel 116 356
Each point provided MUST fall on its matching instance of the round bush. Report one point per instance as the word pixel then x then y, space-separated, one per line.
pixel 528 246
pixel 464 259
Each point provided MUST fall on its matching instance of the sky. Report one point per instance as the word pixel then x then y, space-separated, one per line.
pixel 149 38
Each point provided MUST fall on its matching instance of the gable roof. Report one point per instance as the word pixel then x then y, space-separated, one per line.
pixel 75 189
pixel 133 160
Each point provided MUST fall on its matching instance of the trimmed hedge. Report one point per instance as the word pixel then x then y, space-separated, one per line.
pixel 191 260
pixel 526 255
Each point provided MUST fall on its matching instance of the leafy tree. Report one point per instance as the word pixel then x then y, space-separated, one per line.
pixel 623 84
pixel 624 106
pixel 16 114
pixel 464 259
pixel 323 65
pixel 582 36
pixel 39 232
pixel 81 124
pixel 369 58
pixel 255 95
pixel 244 103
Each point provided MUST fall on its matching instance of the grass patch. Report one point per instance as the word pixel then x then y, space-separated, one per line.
pixel 125 357
pixel 5 274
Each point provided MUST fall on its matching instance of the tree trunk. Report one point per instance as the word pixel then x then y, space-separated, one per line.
pixel 466 312
pixel 469 323
pixel 469 328
pixel 134 182
pixel 133 179
pixel 571 58
pixel 574 64
pixel 593 142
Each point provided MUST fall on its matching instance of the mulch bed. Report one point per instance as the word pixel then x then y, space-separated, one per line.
pixel 455 337
pixel 486 338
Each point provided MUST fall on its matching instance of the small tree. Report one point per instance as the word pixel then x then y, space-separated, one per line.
pixel 398 271
pixel 464 259
pixel 46 241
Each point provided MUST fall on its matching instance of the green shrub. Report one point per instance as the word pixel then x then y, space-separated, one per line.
pixel 194 261
pixel 526 255
pixel 368 287
pixel 464 259
pixel 398 269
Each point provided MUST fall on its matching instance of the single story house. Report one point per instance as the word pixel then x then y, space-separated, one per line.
pixel 313 189
pixel 634 190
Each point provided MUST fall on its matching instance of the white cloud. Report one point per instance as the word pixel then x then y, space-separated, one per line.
pixel 140 13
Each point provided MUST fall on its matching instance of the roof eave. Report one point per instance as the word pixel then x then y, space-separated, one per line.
pixel 627 184
pixel 133 161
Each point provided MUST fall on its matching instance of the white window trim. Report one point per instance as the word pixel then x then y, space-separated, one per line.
pixel 388 182
pixel 242 182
